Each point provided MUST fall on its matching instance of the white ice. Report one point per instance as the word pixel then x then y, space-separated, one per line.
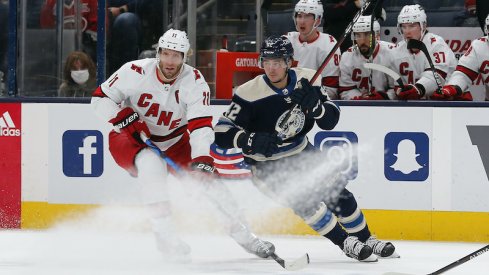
pixel 96 251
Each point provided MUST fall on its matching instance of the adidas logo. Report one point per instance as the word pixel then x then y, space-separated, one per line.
pixel 7 126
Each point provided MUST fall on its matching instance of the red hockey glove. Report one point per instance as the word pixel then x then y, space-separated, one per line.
pixel 372 96
pixel 410 92
pixel 376 96
pixel 128 123
pixel 465 96
pixel 451 90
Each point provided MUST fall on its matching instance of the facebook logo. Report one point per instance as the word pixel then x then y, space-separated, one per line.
pixel 83 153
pixel 406 156
pixel 340 147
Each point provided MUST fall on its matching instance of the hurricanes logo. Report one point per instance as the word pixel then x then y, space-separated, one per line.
pixel 292 126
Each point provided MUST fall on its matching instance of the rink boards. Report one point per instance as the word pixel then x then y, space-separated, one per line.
pixel 418 172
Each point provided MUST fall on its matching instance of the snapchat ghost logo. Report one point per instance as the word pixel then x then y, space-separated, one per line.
pixel 406 156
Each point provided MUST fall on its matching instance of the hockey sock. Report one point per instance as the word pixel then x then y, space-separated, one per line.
pixel 337 235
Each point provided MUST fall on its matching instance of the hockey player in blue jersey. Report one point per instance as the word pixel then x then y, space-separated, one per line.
pixel 278 155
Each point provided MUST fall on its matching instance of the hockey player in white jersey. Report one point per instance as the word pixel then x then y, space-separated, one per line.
pixel 412 65
pixel 357 82
pixel 311 46
pixel 167 101
pixel 475 61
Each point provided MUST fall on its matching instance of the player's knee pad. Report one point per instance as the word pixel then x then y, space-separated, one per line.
pixel 152 176
pixel 322 221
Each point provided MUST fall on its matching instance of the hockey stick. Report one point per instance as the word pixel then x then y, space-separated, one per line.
pixel 416 44
pixel 454 264
pixel 482 10
pixel 347 32
pixel 291 266
pixel 385 70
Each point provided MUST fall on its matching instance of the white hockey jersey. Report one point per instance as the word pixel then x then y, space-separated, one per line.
pixel 311 54
pixel 475 61
pixel 414 68
pixel 169 109
pixel 355 80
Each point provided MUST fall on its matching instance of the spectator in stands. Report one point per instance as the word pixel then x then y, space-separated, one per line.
pixel 78 76
pixel 468 16
pixel 125 31
pixel 337 15
pixel 133 27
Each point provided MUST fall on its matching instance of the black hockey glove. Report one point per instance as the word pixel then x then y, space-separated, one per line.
pixel 259 143
pixel 308 98
pixel 202 166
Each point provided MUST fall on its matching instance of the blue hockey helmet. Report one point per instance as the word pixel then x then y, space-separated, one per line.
pixel 276 46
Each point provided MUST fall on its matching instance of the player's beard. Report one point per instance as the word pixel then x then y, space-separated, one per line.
pixel 170 75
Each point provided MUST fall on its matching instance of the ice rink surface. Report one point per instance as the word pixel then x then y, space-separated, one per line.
pixel 99 252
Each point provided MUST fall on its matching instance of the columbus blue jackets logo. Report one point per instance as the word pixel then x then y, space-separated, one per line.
pixel 292 126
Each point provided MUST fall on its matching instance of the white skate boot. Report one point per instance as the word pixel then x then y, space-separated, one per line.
pixel 381 248
pixel 355 249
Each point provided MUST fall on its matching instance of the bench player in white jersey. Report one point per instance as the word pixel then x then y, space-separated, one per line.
pixel 167 101
pixel 475 61
pixel 357 82
pixel 311 46
pixel 419 81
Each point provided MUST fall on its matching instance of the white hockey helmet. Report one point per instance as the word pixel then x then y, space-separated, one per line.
pixel 486 26
pixel 412 14
pixel 174 40
pixel 310 6
pixel 363 24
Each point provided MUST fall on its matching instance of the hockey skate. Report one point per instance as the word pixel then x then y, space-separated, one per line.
pixel 381 248
pixel 355 249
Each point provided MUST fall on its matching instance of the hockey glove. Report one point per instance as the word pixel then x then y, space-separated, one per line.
pixel 127 122
pixel 465 96
pixel 259 143
pixel 447 93
pixel 202 166
pixel 372 96
pixel 308 98
pixel 411 92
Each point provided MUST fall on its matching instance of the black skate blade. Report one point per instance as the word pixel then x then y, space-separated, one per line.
pixel 298 264
pixel 415 44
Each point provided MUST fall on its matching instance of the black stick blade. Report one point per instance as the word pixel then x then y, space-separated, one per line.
pixel 415 44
